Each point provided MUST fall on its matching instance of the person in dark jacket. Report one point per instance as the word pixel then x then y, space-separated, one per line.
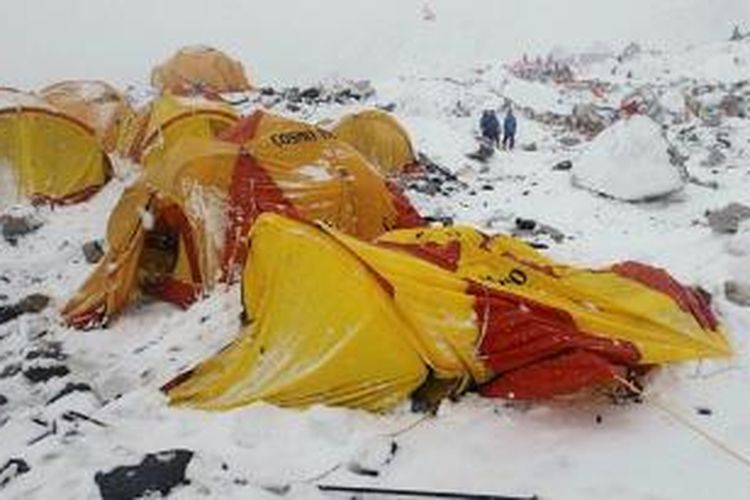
pixel 509 130
pixel 490 126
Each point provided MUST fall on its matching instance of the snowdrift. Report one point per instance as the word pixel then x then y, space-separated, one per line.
pixel 629 161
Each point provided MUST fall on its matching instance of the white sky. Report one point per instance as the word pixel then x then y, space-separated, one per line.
pixel 305 40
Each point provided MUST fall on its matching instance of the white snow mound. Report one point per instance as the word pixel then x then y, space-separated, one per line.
pixel 629 161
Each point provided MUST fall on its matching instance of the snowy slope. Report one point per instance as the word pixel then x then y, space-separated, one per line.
pixel 558 450
pixel 302 41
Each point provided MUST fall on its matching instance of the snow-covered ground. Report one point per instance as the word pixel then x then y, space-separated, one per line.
pixel 570 449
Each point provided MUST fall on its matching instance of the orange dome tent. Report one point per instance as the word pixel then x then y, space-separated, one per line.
pixel 46 155
pixel 379 137
pixel 149 134
pixel 95 103
pixel 197 70
pixel 182 226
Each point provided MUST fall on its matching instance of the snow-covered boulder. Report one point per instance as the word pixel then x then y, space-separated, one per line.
pixel 629 161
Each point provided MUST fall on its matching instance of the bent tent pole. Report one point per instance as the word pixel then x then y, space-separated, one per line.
pixel 419 493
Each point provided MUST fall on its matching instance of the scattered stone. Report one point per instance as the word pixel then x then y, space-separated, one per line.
pixel 358 469
pixel 13 227
pixel 48 350
pixel 10 370
pixel 70 388
pixel 30 304
pixel 531 147
pixel 525 224
pixel 701 410
pixel 3 400
pixel 714 158
pixel 737 293
pixel 599 419
pixel 570 141
pixel 93 251
pixel 722 140
pixel 36 374
pixel 158 472
pixel 33 303
pixel 706 184
pixel 727 220
pixel 563 165
pixel 432 178
pixel 12 469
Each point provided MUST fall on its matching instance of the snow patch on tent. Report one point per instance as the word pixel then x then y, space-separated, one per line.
pixel 8 190
pixel 316 173
pixel 629 161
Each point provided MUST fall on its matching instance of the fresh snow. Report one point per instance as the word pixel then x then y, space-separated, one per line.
pixel 629 161
pixel 439 74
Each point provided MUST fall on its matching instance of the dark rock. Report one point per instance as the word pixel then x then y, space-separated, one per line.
pixel 34 303
pixel 487 187
pixel 13 227
pixel 360 470
pixel 531 147
pixel 70 388
pixel 93 251
pixel 12 469
pixel 310 93
pixel 727 219
pixel 570 141
pixel 563 165
pixel 10 370
pixel 267 91
pixel 714 158
pixel 3 400
pixel 158 472
pixel 738 293
pixel 704 411
pixel 525 224
pixel 51 350
pixel 36 374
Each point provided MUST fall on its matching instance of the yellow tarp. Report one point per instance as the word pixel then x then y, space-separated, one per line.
pixel 335 320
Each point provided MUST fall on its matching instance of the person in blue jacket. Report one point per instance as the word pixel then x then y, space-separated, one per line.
pixel 490 126
pixel 509 130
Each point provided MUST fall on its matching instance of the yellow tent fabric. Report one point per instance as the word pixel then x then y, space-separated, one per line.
pixel 284 145
pixel 205 195
pixel 354 326
pixel 95 103
pixel 149 135
pixel 336 320
pixel 198 68
pixel 46 155
pixel 379 137
pixel 600 301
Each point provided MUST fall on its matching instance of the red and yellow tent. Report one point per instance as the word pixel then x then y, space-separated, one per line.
pixel 181 227
pixel 336 320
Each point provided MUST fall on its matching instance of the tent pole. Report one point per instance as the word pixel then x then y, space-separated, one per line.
pixel 419 493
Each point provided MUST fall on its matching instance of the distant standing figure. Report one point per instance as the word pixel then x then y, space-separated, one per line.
pixel 509 130
pixel 490 126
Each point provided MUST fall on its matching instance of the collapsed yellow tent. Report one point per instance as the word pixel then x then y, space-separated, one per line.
pixel 335 320
pixel 95 103
pixel 181 227
pixel 197 69
pixel 379 137
pixel 149 134
pixel 46 155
